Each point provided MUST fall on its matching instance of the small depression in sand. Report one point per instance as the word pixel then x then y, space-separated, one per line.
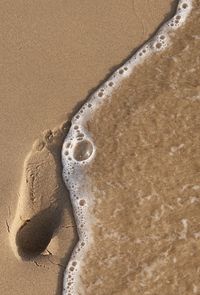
pixel 137 171
pixel 35 234
pixel 43 202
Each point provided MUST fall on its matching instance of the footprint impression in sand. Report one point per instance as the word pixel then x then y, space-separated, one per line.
pixel 42 197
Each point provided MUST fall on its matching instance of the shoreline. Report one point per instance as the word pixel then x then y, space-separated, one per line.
pixel 39 74
pixel 73 167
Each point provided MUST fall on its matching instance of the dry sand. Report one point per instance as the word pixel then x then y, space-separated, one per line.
pixel 52 53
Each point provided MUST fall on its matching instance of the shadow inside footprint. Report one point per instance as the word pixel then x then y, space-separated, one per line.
pixel 36 233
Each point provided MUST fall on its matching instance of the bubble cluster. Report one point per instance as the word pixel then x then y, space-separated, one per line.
pixel 79 149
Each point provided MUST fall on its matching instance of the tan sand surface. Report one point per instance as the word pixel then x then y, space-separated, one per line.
pixel 51 54
pixel 145 177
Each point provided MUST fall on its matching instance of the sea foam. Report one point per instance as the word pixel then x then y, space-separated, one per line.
pixel 78 149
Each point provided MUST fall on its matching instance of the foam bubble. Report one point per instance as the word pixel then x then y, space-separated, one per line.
pixel 79 149
pixel 83 150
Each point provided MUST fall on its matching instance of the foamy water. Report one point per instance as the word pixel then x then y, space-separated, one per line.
pixel 79 149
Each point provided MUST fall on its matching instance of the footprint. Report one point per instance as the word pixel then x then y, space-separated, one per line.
pixel 42 198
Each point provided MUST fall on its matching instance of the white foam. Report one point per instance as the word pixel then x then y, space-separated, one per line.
pixel 79 149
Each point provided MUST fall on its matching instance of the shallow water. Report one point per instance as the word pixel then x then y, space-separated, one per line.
pixel 145 177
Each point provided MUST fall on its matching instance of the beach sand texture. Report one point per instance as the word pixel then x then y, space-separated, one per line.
pixel 145 177
pixel 52 53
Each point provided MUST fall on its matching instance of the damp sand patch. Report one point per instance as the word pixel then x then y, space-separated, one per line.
pixel 134 182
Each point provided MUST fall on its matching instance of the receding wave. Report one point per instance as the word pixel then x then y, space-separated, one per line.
pixel 128 147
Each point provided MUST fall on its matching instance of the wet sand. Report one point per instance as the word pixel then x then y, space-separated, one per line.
pixel 145 177
pixel 52 53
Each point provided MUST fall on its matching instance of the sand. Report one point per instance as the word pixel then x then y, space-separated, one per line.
pixel 145 177
pixel 52 54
